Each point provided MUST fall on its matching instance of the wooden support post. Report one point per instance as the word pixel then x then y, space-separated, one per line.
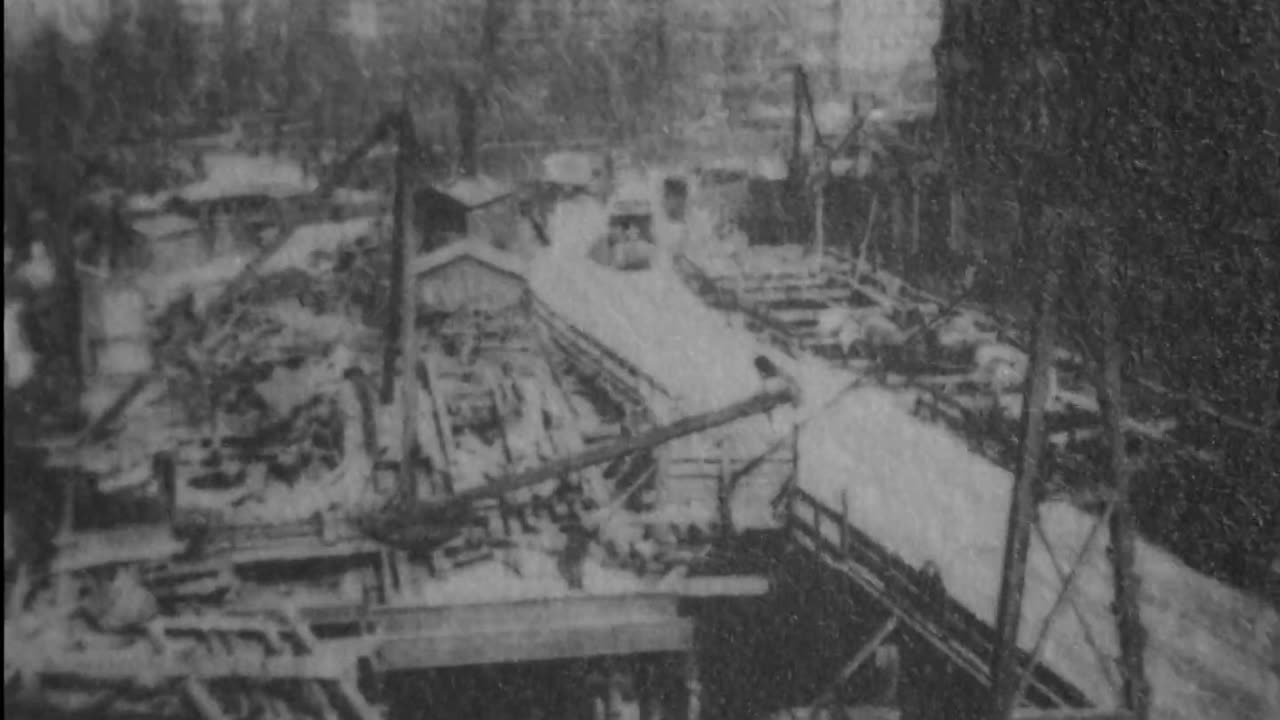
pixel 898 214
pixel 442 421
pixel 692 686
pixel 1136 689
pixel 797 127
pixel 915 216
pixel 1004 668
pixel 844 518
pixel 860 265
pixel 355 702
pixel 400 261
pixel 819 222
pixel 723 486
pixel 407 485
pixel 957 241
pixel 203 702
pixel 859 658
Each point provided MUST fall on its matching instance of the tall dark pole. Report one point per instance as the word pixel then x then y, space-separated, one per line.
pixel 1004 667
pixel 1136 690
pixel 398 220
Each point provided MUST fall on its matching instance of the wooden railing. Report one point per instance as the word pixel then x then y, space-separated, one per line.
pixel 719 296
pixel 920 603
pixel 617 373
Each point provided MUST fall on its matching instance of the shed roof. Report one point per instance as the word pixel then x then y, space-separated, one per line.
pixel 473 249
pixel 474 192
pixel 164 227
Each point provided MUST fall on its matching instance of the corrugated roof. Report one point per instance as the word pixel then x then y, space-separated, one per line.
pixel 476 250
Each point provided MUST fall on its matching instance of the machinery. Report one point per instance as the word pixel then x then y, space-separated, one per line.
pixel 628 242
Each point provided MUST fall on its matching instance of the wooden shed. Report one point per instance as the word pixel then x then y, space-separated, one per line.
pixel 477 207
pixel 472 275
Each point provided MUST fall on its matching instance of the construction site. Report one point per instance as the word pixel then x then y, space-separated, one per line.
pixel 375 426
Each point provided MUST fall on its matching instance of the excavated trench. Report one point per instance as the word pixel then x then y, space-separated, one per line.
pixel 766 657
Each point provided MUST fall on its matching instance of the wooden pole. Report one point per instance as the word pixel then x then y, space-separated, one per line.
pixel 859 658
pixel 723 481
pixel 797 127
pixel 861 265
pixel 899 230
pixel 844 517
pixel 1004 668
pixel 426 512
pixel 915 217
pixel 399 260
pixel 1136 690
pixel 693 686
pixel 819 221
pixel 408 349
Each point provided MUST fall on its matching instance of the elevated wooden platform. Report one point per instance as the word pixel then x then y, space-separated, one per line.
pixel 578 626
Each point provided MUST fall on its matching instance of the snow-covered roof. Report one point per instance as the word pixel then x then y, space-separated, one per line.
pixel 474 192
pixel 164 227
pixel 238 175
pixel 571 168
pixel 475 250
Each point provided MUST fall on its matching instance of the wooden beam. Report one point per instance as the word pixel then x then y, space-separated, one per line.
pixel 757 404
pixel 1136 688
pixel 721 586
pixel 860 657
pixel 533 643
pixel 1070 714
pixel 115 667
pixel 202 700
pixel 491 616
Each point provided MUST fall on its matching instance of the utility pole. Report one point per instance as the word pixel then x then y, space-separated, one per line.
pixel 1136 690
pixel 399 259
pixel 1022 505
pixel 407 485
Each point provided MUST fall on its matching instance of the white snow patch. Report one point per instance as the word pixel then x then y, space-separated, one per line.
pixel 19 360
pixel 308 241
pixel 232 174
pixel 38 272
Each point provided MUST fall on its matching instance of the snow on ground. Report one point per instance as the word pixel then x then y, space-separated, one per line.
pixel 204 281
pixel 310 241
pixel 919 491
pixel 539 578
pixel 208 279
